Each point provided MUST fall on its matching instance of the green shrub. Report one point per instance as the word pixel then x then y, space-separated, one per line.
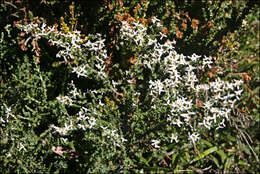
pixel 125 100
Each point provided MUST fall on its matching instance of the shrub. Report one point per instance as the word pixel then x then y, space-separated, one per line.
pixel 120 101
pixel 159 98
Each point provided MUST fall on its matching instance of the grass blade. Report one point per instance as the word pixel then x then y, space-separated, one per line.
pixel 205 153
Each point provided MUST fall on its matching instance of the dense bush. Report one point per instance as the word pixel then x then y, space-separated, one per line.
pixel 119 86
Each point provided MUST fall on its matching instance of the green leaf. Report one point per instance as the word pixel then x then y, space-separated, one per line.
pixel 205 153
pixel 256 90
pixel 222 155
pixel 174 157
pixel 215 160
pixel 142 159
pixel 56 64
pixel 45 133
pixel 206 142
pixel 240 162
pixel 245 149
pixel 228 163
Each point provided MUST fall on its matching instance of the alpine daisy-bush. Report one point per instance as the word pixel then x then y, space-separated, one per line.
pixel 164 99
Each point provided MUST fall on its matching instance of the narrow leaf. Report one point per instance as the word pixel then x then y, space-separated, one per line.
pixel 227 164
pixel 205 153
pixel 222 155
pixel 215 160
pixel 206 142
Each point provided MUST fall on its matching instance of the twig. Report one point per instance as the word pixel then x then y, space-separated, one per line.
pixel 249 146
pixel 196 169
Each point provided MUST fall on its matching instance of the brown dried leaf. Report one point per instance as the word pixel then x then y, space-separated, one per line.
pixel 137 8
pixel 211 74
pixel 195 23
pixel 199 104
pixel 246 77
pixel 22 44
pixel 120 3
pixel 210 24
pixel 132 60
pixel 110 6
pixel 184 25
pixel 58 150
pixel 178 33
pixel 186 14
pixel 164 30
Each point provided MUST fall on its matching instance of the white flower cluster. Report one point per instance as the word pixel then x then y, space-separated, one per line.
pixel 64 130
pixel 86 121
pixel 87 118
pixel 178 87
pixel 135 31
pixel 66 100
pixel 7 115
pixel 91 55
pixel 72 47
pixel 192 104
pixel 113 135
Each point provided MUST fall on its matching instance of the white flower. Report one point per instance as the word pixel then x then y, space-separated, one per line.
pixel 191 78
pixel 193 137
pixel 174 137
pixel 186 117
pixel 100 103
pixel 114 84
pixel 190 68
pixel 60 130
pixel 221 125
pixel 238 93
pixel 92 122
pixel 81 126
pixel 68 127
pixel 238 82
pixel 229 86
pixel 162 35
pixel 155 20
pixel 8 113
pixel 2 120
pixel 74 93
pixel 214 110
pixel 194 57
pixel 65 100
pixel 207 122
pixel 182 60
pixel 157 86
pixel 207 105
pixel 81 70
pixel 226 113
pixel 155 143
pixel 177 122
pixel 204 87
pixel 207 61
pixel 21 147
pixel 151 41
